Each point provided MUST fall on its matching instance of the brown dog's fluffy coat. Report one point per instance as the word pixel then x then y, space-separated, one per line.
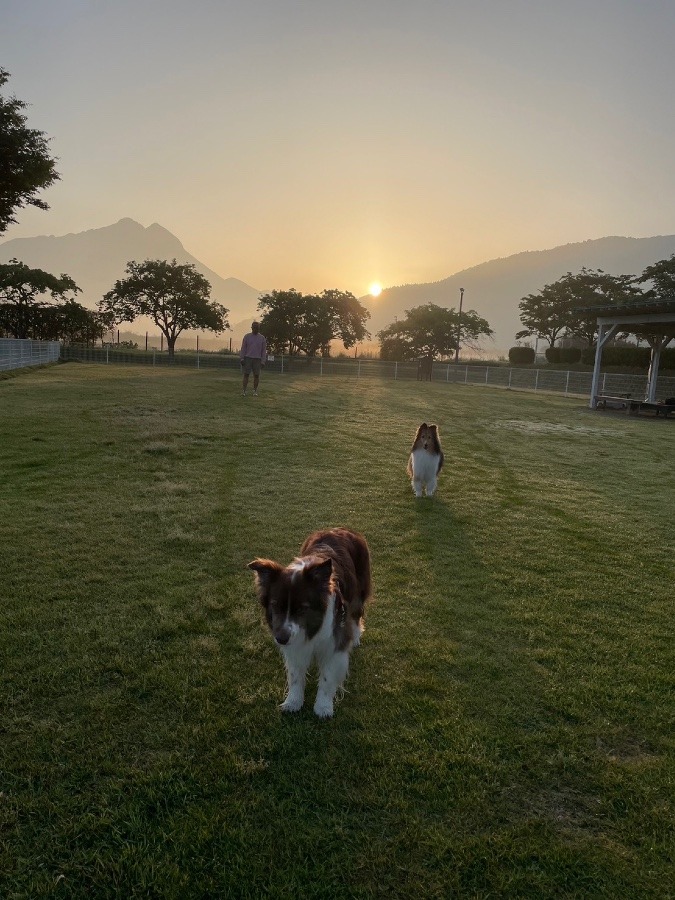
pixel 314 609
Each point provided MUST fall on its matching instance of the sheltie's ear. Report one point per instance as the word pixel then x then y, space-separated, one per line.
pixel 419 432
pixel 266 571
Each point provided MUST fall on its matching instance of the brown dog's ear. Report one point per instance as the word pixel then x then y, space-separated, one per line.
pixel 319 570
pixel 265 571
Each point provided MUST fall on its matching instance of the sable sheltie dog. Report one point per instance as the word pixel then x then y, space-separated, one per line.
pixel 426 460
pixel 314 608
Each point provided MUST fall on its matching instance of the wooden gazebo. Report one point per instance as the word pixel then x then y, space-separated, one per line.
pixel 653 319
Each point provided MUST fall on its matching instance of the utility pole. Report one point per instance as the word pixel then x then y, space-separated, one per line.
pixel 459 324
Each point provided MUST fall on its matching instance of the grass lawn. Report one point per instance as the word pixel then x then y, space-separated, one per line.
pixel 508 727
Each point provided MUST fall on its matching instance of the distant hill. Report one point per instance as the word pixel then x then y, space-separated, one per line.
pixel 494 289
pixel 95 259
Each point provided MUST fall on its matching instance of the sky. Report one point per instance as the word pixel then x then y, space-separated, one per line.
pixel 314 144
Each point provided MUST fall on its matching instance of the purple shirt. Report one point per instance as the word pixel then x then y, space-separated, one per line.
pixel 254 345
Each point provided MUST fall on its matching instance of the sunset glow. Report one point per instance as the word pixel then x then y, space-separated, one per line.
pixel 311 158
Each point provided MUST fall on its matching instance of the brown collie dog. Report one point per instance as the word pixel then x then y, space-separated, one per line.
pixel 426 460
pixel 314 609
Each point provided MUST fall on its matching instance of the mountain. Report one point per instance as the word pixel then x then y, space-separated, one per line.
pixel 96 259
pixel 494 289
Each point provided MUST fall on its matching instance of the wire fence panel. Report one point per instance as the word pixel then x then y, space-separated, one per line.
pixel 568 383
pixel 499 377
pixel 524 379
pixel 21 354
pixel 551 381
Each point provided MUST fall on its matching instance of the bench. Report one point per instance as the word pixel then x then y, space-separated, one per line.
pixel 632 405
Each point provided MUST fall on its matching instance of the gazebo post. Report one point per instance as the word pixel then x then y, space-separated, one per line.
pixel 602 340
pixel 657 344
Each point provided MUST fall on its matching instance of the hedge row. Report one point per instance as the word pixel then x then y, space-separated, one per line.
pixel 521 356
pixel 569 355
pixel 629 357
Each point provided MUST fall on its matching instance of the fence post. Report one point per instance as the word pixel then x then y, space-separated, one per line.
pixel 536 381
pixel 466 375
pixel 604 377
pixel 567 382
pixel 395 370
pixel 447 373
pixel 358 374
pixel 106 355
pixel 321 366
pixel 510 374
pixel 487 372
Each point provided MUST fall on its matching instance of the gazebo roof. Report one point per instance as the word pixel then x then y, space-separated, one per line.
pixel 638 316
pixel 632 309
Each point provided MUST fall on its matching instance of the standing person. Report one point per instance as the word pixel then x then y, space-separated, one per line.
pixel 253 355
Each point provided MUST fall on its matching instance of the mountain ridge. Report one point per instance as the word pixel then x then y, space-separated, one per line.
pixel 494 288
pixel 96 258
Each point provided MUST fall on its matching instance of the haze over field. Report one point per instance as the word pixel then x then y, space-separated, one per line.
pixel 323 145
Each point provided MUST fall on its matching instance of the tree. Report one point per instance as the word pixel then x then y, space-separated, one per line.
pixel 595 288
pixel 20 287
pixel 551 312
pixel 430 331
pixel 71 322
pixel 25 164
pixel 545 314
pixel 661 277
pixel 174 295
pixel 348 317
pixel 307 323
pixel 282 319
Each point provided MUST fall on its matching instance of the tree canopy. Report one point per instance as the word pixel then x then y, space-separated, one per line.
pixel 69 322
pixel 25 164
pixel 21 296
pixel 430 331
pixel 661 279
pixel 296 323
pixel 545 314
pixel 551 312
pixel 174 295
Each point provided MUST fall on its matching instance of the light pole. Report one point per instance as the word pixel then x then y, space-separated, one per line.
pixel 459 324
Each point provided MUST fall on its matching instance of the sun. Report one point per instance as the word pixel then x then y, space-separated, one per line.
pixel 375 289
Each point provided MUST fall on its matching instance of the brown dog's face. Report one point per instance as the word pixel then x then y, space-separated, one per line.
pixel 294 598
pixel 427 437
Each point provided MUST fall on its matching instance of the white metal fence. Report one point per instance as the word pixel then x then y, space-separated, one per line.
pixel 18 354
pixel 568 383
